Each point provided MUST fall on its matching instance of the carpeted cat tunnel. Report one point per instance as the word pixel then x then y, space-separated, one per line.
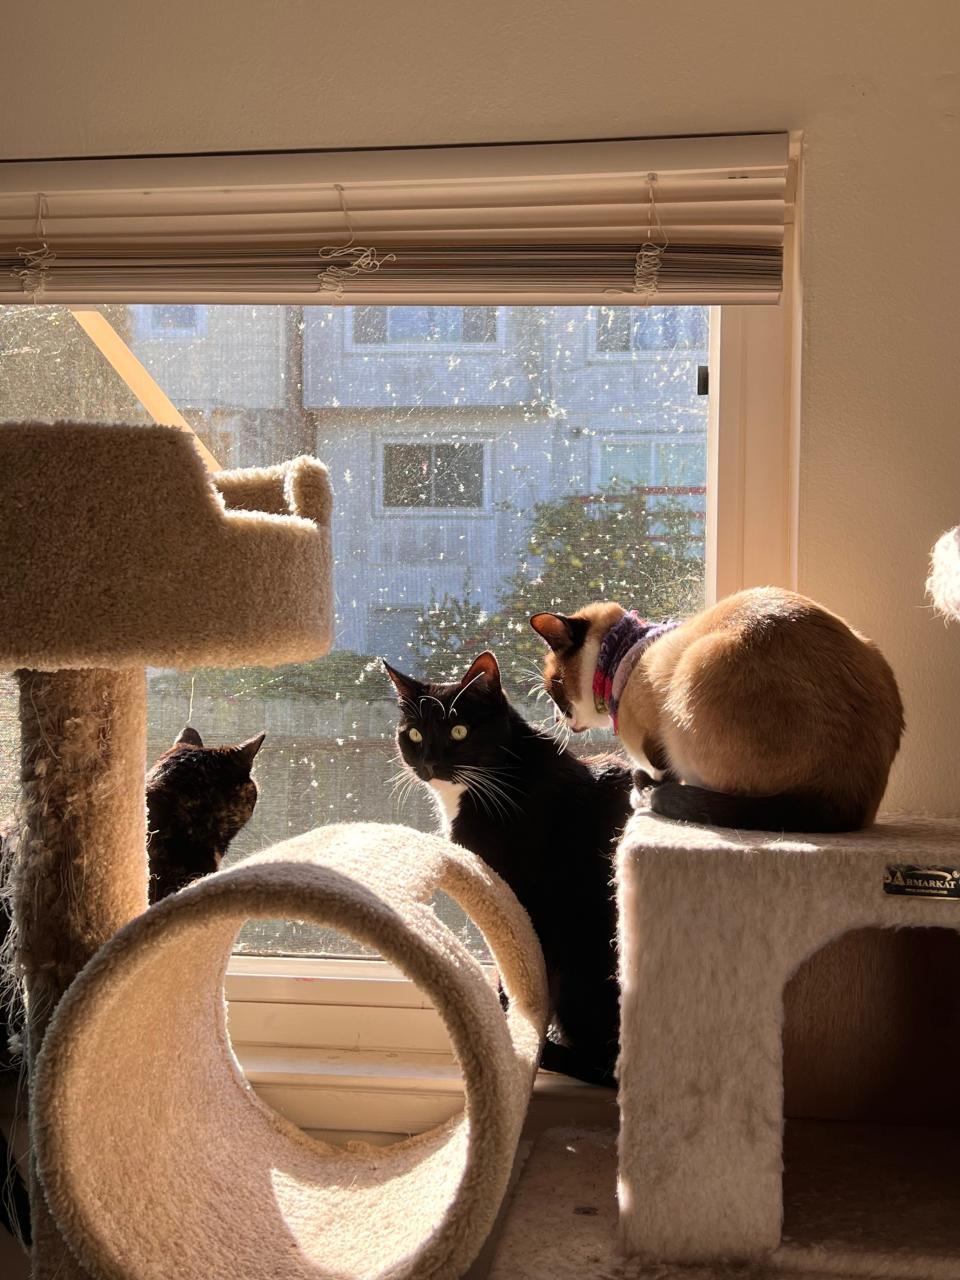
pixel 154 1156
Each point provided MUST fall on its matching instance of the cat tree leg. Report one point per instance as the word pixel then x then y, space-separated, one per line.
pixel 82 870
pixel 700 1080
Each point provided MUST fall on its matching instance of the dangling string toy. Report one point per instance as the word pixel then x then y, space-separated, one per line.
pixel 32 275
pixel 359 259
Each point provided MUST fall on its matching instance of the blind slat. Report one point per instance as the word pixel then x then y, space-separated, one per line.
pixel 546 222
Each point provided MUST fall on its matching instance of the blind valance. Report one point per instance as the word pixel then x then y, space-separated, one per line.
pixel 672 220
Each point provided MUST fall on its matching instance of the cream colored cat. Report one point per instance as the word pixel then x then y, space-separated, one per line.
pixel 764 711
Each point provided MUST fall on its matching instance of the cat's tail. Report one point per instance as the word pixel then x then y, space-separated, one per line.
pixel 786 812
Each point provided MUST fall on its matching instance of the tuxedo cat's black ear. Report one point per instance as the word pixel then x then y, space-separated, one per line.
pixel 250 748
pixel 408 689
pixel 188 738
pixel 560 632
pixel 487 668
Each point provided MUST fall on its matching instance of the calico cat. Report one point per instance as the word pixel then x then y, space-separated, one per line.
pixel 764 711
pixel 547 823
pixel 198 799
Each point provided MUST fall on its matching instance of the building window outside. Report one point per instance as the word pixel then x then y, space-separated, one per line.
pixel 623 330
pixel 425 326
pixel 447 476
pixel 170 320
pixel 666 462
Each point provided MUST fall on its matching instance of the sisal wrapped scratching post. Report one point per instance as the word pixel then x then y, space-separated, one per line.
pixel 164 1163
pixel 81 872
pixel 120 553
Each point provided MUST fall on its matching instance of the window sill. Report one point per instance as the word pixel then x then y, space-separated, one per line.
pixel 351 1048
pixel 378 1096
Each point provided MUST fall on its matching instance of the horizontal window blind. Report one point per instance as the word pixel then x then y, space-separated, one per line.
pixel 681 220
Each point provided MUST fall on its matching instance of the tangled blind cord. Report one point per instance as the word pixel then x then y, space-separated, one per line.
pixel 646 266
pixel 333 277
pixel 33 274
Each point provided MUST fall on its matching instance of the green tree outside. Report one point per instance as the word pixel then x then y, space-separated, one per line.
pixel 621 545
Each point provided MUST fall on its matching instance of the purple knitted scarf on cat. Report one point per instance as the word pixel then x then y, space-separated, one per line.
pixel 622 647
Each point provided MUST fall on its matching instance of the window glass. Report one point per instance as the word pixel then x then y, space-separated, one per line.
pixel 472 487
pixel 620 330
pixel 416 326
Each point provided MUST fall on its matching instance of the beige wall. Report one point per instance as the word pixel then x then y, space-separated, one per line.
pixel 875 85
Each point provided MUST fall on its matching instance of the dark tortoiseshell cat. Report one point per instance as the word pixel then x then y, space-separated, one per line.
pixel 198 799
pixel 547 823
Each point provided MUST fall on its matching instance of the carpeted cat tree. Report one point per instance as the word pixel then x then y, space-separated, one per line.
pixel 790 1024
pixel 152 1156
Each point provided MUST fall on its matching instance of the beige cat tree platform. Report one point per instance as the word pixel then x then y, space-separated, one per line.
pixel 153 1158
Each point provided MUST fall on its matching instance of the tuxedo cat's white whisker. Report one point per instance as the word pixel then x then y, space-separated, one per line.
pixel 492 776
pixel 479 799
pixel 494 788
pixel 453 704
pixel 479 786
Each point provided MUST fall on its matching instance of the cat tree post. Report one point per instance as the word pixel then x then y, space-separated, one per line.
pixel 119 554
pixel 82 867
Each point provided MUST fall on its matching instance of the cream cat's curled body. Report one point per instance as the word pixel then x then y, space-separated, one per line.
pixel 763 711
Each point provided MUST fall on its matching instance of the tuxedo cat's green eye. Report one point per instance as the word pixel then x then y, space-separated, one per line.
pixel 415 735
pixel 458 732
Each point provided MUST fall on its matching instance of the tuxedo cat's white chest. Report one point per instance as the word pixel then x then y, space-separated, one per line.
pixel 447 797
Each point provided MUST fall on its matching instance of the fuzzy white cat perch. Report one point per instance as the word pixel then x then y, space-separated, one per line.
pixel 713 926
pixel 790 1052
pixel 943 584
pixel 119 552
pixel 167 1160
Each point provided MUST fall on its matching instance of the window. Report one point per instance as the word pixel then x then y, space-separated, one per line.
pixel 425 326
pixel 621 330
pixel 433 475
pixel 173 321
pixel 672 462
pixel 430 592
pixel 529 445
pixel 543 388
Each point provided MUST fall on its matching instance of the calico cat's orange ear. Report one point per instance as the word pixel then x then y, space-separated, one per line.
pixel 188 737
pixel 485 665
pixel 407 688
pixel 560 632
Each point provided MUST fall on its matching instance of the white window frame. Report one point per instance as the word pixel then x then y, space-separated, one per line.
pixel 349 1047
pixel 417 348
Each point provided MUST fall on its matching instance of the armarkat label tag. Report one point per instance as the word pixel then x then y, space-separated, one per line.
pixel 922 882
